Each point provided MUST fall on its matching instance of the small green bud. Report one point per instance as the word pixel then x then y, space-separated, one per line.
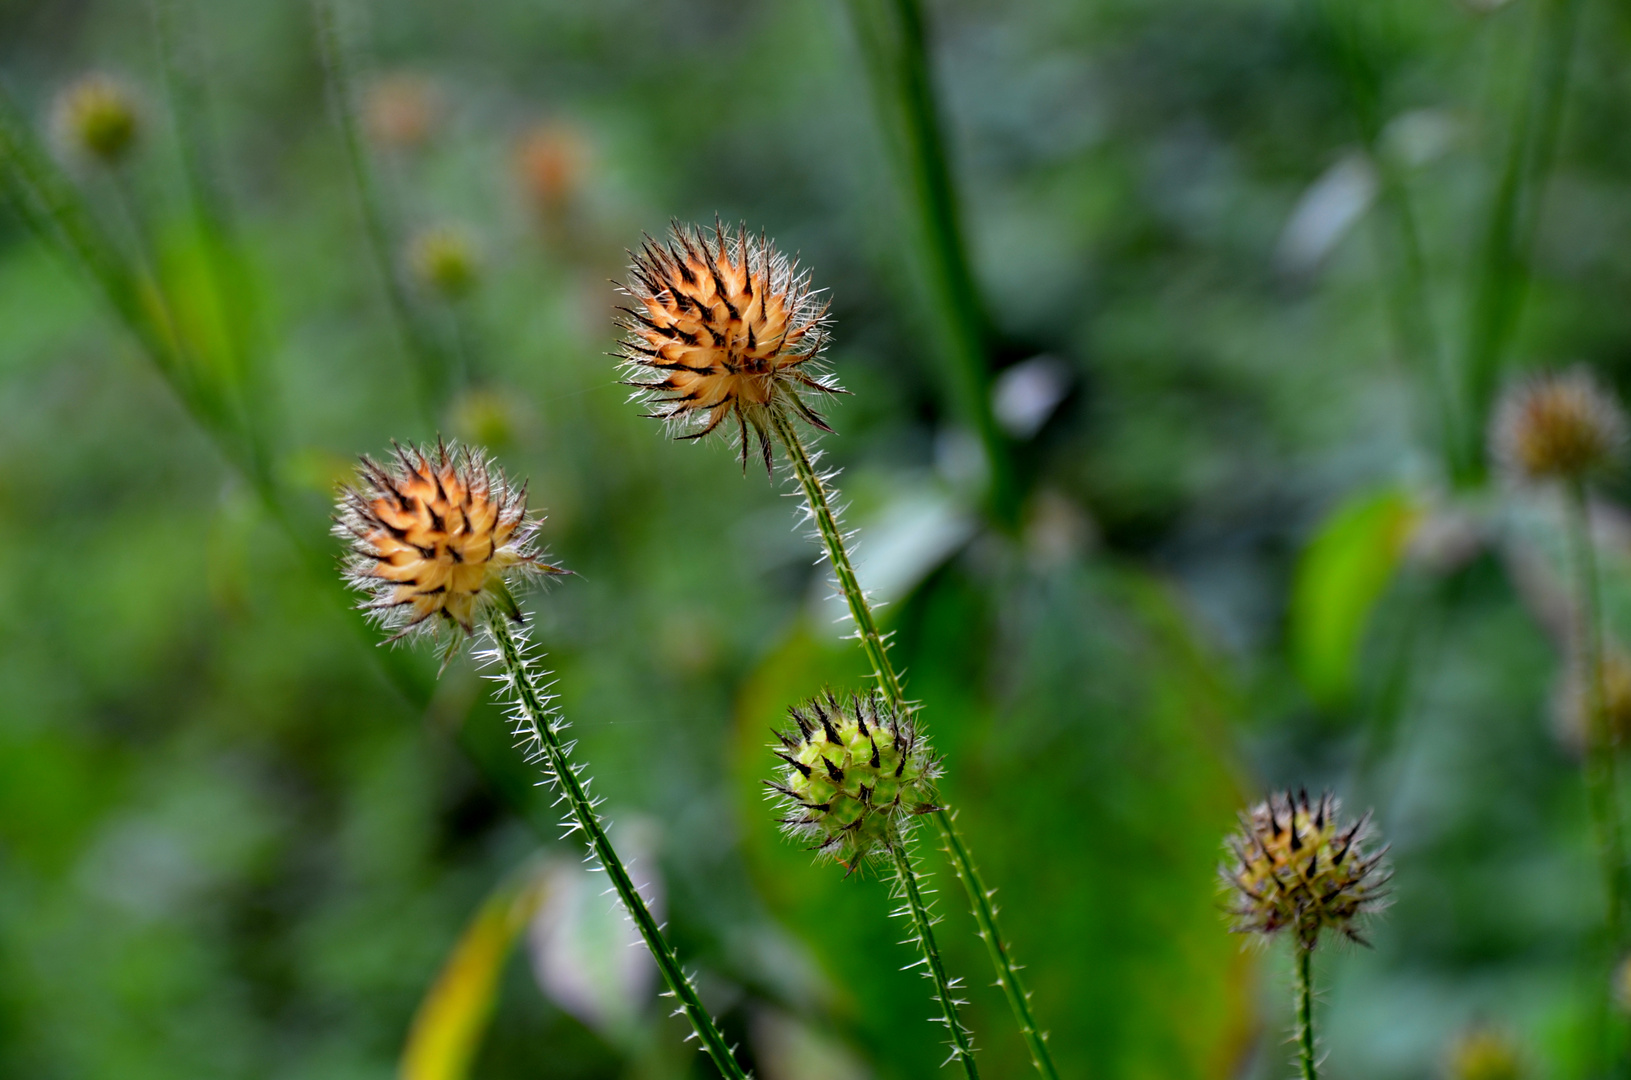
pixel 97 117
pixel 1485 1053
pixel 857 774
pixel 444 261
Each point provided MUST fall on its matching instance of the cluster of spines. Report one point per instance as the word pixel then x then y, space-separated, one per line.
pixel 1296 868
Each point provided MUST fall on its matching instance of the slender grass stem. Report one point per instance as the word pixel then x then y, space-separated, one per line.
pixel 539 728
pixel 1305 1013
pixel 1601 781
pixel 432 366
pixel 1502 284
pixel 892 39
pixel 923 931
pixel 819 503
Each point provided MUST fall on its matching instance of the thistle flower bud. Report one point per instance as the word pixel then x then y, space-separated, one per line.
pixel 1484 1053
pixel 97 118
pixel 401 111
pixel 437 535
pixel 857 774
pixel 1294 867
pixel 444 262
pixel 1559 426
pixel 723 327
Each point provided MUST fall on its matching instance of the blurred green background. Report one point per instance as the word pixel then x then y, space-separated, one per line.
pixel 1247 273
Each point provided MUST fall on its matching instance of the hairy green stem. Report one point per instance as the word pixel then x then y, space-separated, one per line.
pixel 1601 782
pixel 539 726
pixel 432 365
pixel 923 930
pixel 816 498
pixel 1305 1013
pixel 892 39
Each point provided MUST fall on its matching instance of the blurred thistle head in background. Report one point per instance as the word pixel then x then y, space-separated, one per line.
pixel 549 162
pixel 98 119
pixel 723 327
pixel 444 262
pixel 436 537
pixel 1296 867
pixel 1572 704
pixel 1558 426
pixel 1484 1053
pixel 858 773
pixel 402 111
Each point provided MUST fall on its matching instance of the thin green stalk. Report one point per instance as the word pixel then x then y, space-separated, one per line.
pixel 866 629
pixel 1305 1013
pixel 891 36
pixel 431 363
pixel 1502 286
pixel 923 930
pixel 539 728
pixel 1601 782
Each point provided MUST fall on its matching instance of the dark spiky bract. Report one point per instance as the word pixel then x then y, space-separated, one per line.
pixel 1295 866
pixel 437 535
pixel 723 329
pixel 1558 426
pixel 857 775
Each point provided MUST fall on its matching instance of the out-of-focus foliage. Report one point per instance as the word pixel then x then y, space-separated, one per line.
pixel 231 845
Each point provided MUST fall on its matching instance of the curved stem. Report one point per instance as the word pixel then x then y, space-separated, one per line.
pixel 540 727
pixel 923 930
pixel 1305 1013
pixel 819 504
pixel 1601 783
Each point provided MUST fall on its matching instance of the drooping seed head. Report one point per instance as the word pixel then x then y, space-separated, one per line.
pixel 1484 1053
pixel 1294 866
pixel 722 327
pixel 444 262
pixel 1558 426
pixel 857 775
pixel 98 119
pixel 436 536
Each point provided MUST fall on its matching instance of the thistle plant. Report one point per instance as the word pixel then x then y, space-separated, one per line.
pixel 438 539
pixel 1295 867
pixel 726 333
pixel 1563 430
pixel 97 118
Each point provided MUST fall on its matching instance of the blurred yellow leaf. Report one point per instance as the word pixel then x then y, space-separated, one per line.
pixel 452 1018
pixel 1341 575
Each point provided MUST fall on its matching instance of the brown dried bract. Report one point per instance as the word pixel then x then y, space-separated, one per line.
pixel 723 326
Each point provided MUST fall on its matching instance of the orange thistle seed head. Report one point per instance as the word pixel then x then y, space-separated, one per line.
pixel 436 537
pixel 723 327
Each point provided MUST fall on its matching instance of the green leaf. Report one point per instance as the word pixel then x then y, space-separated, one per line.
pixel 1340 577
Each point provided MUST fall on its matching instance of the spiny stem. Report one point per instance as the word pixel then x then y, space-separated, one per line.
pixel 1305 1012
pixel 923 929
pixel 1601 783
pixel 979 902
pixel 430 360
pixel 538 726
pixel 866 627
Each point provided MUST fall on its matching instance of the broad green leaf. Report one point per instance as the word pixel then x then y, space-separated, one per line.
pixel 1341 575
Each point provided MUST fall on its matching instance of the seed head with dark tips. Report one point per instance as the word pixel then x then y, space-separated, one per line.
pixel 436 537
pixel 857 774
pixel 1296 867
pixel 722 330
pixel 1558 426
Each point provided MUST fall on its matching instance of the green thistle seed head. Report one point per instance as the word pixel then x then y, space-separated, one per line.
pixel 97 117
pixel 1296 867
pixel 1485 1053
pixel 857 774
pixel 445 262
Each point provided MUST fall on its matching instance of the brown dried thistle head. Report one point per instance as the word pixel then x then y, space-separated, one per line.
pixel 1295 867
pixel 98 119
pixel 436 537
pixel 1558 426
pixel 723 327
